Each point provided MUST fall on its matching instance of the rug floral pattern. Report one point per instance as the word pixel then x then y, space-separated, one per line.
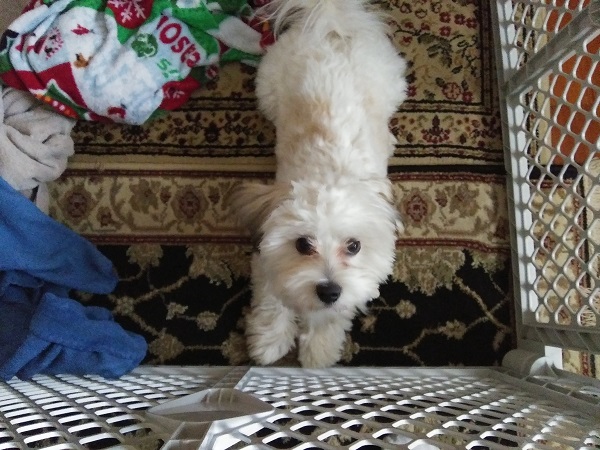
pixel 154 199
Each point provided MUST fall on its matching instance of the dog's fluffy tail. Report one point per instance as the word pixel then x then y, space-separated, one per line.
pixel 320 17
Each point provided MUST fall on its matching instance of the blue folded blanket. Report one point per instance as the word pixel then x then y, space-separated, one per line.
pixel 42 330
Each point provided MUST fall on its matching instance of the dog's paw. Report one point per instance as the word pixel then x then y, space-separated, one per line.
pixel 318 359
pixel 266 349
pixel 271 332
pixel 320 350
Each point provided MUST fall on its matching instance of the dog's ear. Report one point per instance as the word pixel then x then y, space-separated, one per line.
pixel 252 203
pixel 384 188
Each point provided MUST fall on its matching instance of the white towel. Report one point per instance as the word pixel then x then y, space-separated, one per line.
pixel 35 142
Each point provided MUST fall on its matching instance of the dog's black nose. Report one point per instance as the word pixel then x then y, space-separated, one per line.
pixel 329 292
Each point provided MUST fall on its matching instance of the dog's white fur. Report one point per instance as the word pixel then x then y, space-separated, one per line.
pixel 329 84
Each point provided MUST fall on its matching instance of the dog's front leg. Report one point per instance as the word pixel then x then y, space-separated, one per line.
pixel 322 339
pixel 270 330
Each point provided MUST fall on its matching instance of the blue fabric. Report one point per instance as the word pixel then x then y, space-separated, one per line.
pixel 42 330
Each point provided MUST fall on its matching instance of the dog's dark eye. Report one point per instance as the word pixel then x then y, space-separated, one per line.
pixel 352 247
pixel 304 246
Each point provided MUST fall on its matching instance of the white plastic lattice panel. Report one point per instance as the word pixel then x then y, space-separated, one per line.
pixel 527 26
pixel 351 408
pixel 388 408
pixel 550 52
pixel 68 412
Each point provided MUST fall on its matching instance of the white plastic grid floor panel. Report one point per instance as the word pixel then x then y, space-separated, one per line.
pixel 352 408
pixel 69 412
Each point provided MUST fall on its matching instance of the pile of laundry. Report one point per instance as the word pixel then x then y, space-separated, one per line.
pixel 125 61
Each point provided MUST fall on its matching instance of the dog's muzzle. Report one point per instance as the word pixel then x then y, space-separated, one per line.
pixel 329 292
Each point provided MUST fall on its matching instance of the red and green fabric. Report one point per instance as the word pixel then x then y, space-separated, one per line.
pixel 125 60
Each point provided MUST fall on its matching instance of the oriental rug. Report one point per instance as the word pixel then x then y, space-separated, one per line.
pixel 154 199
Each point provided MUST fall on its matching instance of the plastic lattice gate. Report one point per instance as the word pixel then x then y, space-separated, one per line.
pixel 550 82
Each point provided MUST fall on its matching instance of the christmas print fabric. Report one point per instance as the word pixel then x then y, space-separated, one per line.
pixel 125 60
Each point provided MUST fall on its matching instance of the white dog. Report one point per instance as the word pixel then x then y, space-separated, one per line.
pixel 326 229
